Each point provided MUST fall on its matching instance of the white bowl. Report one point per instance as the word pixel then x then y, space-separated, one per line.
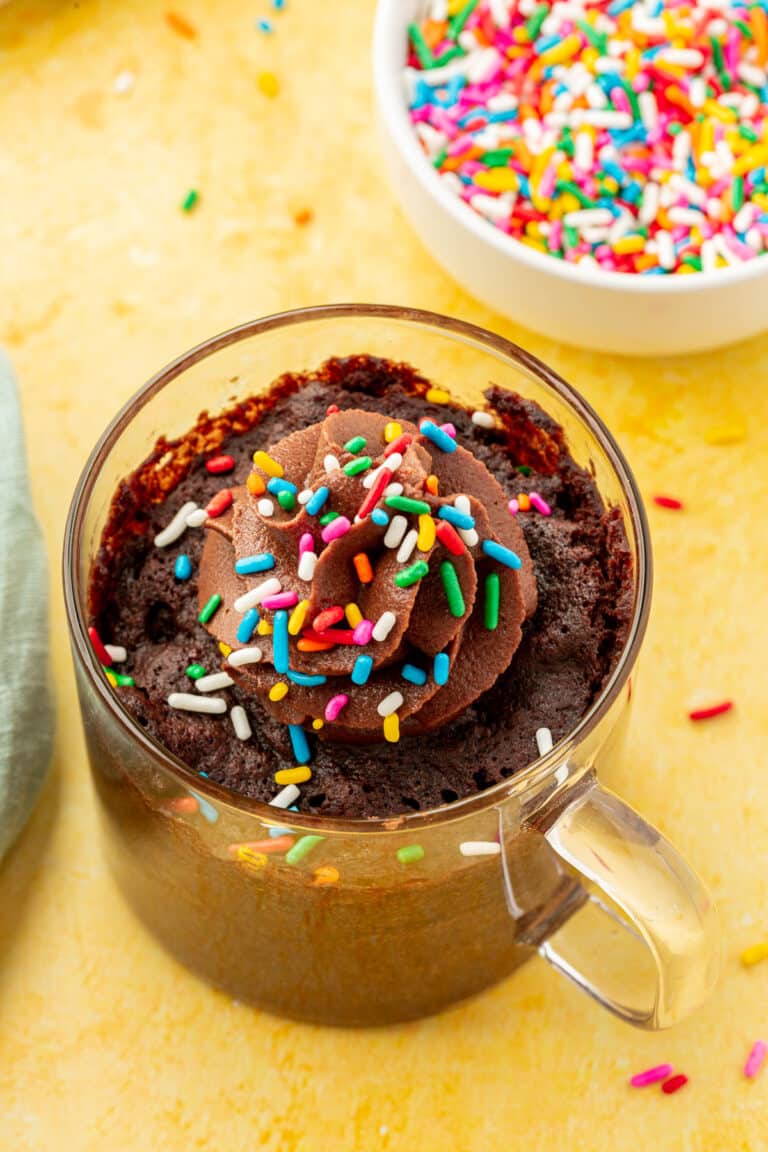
pixel 612 312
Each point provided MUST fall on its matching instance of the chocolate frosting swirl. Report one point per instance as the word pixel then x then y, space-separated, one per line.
pixel 423 625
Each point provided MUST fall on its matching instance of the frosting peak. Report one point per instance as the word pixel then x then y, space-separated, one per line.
pixel 377 569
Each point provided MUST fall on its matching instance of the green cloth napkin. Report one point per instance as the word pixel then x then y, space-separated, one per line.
pixel 26 716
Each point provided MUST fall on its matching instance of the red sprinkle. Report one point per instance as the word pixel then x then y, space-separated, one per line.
pixel 375 494
pixel 713 710
pixel 449 538
pixel 674 1084
pixel 102 655
pixel 668 502
pixel 327 619
pixel 180 25
pixel 337 636
pixel 218 465
pixel 332 409
pixel 220 502
pixel 398 445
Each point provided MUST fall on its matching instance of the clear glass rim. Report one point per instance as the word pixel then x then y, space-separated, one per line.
pixel 530 776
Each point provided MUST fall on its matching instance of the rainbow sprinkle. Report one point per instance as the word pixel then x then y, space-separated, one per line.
pixel 626 135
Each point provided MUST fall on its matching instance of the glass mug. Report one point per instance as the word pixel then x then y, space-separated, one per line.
pixel 348 934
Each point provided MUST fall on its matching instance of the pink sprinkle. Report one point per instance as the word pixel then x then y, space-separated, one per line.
pixel 336 529
pixel 513 506
pixel 450 429
pixel 306 543
pixel 362 633
pixel 334 706
pixel 651 1075
pixel 280 600
pixel 539 503
pixel 755 1059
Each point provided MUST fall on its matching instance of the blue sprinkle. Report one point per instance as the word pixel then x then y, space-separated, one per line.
pixel 504 555
pixel 613 169
pixel 441 668
pixel 422 94
pixel 362 670
pixel 502 117
pixel 264 26
pixel 207 810
pixel 380 517
pixel 619 6
pixel 452 90
pixel 306 681
pixel 247 626
pixel 278 5
pixel 280 642
pixel 279 830
pixel 293 808
pixel 182 569
pixel 299 743
pixel 413 674
pixel 545 42
pixel 438 437
pixel 525 185
pixel 316 501
pixel 262 562
pixel 652 53
pixel 276 485
pixel 455 517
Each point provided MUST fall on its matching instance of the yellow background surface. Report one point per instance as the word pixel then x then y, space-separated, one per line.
pixel 105 1042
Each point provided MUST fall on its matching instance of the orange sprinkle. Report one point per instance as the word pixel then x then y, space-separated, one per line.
pixel 759 24
pixel 325 875
pixel 181 26
pixel 313 646
pixel 363 568
pixel 278 844
pixel 255 484
pixel 524 502
pixel 434 31
pixel 303 217
pixel 431 484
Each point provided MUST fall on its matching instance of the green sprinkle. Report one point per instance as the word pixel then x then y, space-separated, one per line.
pixel 356 444
pixel 675 128
pixel 409 854
pixel 491 606
pixel 328 518
pixel 497 157
pixel 120 681
pixel 748 133
pixel 524 469
pixel 535 21
pixel 456 24
pixel 692 261
pixel 566 142
pixel 453 593
pixel 286 500
pixel 195 671
pixel 190 200
pixel 440 158
pixel 570 235
pixel 737 193
pixel 412 574
pixel 725 80
pixel 629 92
pixel 449 54
pixel 569 186
pixel 302 848
pixel 210 608
pixel 420 46
pixel 743 28
pixel 405 504
pixel 598 40
pixel 355 467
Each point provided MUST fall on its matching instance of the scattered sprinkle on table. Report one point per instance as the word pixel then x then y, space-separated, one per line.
pixel 651 1075
pixel 755 1059
pixel 190 201
pixel 265 26
pixel 268 83
pixel 631 137
pixel 302 217
pixel 123 83
pixel 670 502
pixel 181 26
pixel 674 1084
pixel 711 711
pixel 723 434
pixel 755 954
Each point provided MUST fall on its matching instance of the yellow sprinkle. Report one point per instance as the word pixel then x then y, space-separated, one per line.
pixel 712 108
pixel 268 84
pixel 632 63
pixel 224 648
pixel 278 691
pixel 297 617
pixel 253 860
pixel 426 536
pixel 523 502
pixel 255 484
pixel 438 395
pixel 726 433
pixel 264 628
pixel 354 615
pixel 562 51
pixel 392 728
pixel 432 484
pixel 293 775
pixel 629 245
pixel 494 180
pixel 325 875
pixel 264 461
pixel 455 6
pixel 755 158
pixel 754 954
pixel 392 431
pixel 589 58
pixel 111 677
pixel 533 244
pixel 317 724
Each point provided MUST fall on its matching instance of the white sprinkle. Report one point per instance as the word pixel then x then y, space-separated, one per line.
pixel 214 682
pixel 305 496
pixel 681 149
pixel 244 656
pixel 469 536
pixel 584 151
pixel 390 704
pixel 601 117
pixel 306 569
pixel 265 507
pixel 708 256
pixel 691 191
pixel 492 207
pixel 650 203
pixel 480 65
pixel 394 461
pixel 186 702
pixel 744 218
pixel 123 82
pixel 689 216
pixel 395 532
pixel 171 533
pixel 286 797
pixel 666 249
pixel 589 218
pixel 119 655
pixel 250 599
pixel 384 626
pixel 394 490
pixel 544 741
pixel 240 723
pixel 432 140
pixel 406 548
pixel 331 464
pixel 438 10
pixel 649 110
pixel 620 227
pixel 714 209
pixel 499 12
pixel 683 57
pixel 462 503
pixel 597 101
pixel 483 419
pixel 754 238
pixel 697 91
pixel 197 518
pixel 480 848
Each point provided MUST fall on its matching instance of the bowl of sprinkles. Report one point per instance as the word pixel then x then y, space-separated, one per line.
pixel 598 171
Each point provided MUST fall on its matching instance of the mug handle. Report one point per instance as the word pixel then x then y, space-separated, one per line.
pixel 654 956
